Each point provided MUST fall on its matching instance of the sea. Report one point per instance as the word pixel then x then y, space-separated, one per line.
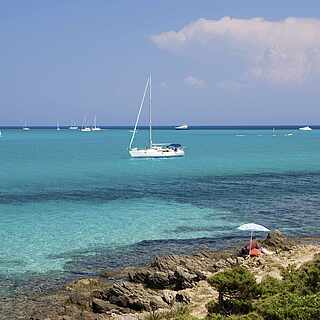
pixel 74 203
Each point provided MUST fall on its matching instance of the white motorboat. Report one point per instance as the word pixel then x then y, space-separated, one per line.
pixel 182 127
pixel 163 150
pixel 307 128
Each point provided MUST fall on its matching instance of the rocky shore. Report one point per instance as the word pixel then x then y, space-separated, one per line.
pixel 131 293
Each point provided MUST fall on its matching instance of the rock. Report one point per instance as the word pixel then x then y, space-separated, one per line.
pixel 83 300
pixel 84 284
pixel 240 260
pixel 135 297
pixel 183 298
pixel 165 263
pixel 86 315
pixel 277 241
pixel 156 302
pixel 101 306
pixel 220 264
pixel 231 261
pixel 184 279
pixel 169 297
pixel 158 280
pixel 139 276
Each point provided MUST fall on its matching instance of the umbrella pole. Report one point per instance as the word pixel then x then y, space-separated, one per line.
pixel 250 242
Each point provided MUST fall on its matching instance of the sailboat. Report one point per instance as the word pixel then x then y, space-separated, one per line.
pixel 182 127
pixel 73 127
pixel 95 128
pixel 154 150
pixel 25 127
pixel 274 132
pixel 58 127
pixel 307 128
pixel 84 127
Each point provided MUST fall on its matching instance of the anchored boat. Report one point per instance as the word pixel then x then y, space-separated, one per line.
pixel 182 127
pixel 154 150
pixel 307 128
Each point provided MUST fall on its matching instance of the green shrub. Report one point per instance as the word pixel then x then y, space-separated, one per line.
pixel 295 297
pixel 216 316
pixel 249 316
pixel 236 288
pixel 179 312
pixel 230 306
pixel 291 306
pixel 270 286
pixel 235 283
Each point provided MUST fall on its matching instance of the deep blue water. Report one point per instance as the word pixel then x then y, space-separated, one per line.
pixel 74 203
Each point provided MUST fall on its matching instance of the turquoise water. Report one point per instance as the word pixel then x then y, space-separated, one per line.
pixel 66 194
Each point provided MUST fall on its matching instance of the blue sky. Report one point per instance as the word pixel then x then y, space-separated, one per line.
pixel 63 60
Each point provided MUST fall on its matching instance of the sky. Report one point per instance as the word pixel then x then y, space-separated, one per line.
pixel 212 62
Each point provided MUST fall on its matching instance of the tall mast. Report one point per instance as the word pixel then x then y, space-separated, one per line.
pixel 137 120
pixel 150 113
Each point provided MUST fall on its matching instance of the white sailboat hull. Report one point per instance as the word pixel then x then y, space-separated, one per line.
pixel 182 127
pixel 85 130
pixel 156 153
pixel 305 128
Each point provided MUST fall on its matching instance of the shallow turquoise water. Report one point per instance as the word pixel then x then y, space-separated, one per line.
pixel 69 192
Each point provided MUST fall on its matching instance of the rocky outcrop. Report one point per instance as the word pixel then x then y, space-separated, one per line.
pixel 167 280
pixel 276 241
pixel 180 272
pixel 159 285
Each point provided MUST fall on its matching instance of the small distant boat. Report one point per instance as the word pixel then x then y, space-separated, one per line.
pixel 84 127
pixel 289 134
pixel 307 128
pixel 73 127
pixel 25 127
pixel 58 127
pixel 273 132
pixel 167 150
pixel 95 128
pixel 182 127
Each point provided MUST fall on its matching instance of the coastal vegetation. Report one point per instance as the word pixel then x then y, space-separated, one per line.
pixel 296 296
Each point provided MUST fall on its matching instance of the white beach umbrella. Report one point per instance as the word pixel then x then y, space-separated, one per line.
pixel 252 227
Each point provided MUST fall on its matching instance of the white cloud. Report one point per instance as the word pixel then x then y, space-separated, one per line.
pixel 284 51
pixel 194 82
